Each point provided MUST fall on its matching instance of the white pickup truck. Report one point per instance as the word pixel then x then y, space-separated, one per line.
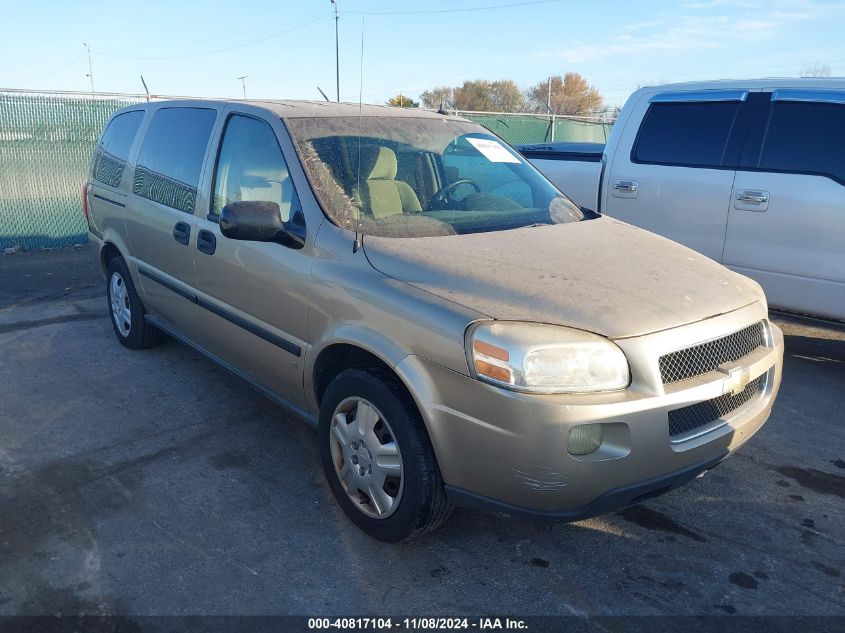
pixel 750 173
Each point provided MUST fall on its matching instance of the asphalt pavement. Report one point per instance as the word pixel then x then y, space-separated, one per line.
pixel 157 483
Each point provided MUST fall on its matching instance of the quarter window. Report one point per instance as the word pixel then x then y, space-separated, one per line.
pixel 805 138
pixel 686 134
pixel 113 150
pixel 171 156
pixel 250 166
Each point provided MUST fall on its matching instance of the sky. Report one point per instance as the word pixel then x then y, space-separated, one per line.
pixel 286 49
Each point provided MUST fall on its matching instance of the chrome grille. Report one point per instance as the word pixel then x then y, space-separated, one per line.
pixel 705 357
pixel 700 414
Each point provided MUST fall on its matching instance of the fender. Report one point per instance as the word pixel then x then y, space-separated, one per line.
pixel 360 336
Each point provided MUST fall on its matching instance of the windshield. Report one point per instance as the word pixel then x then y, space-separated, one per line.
pixel 422 177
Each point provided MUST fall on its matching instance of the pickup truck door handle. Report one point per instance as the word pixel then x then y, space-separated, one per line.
pixel 749 200
pixel 625 188
pixel 748 196
pixel 182 232
pixel 206 242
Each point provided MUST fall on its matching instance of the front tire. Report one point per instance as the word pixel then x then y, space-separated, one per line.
pixel 378 458
pixel 126 310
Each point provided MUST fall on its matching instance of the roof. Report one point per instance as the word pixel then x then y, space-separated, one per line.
pixel 312 109
pixel 292 109
pixel 809 83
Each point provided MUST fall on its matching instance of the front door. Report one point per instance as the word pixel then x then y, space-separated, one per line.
pixel 255 293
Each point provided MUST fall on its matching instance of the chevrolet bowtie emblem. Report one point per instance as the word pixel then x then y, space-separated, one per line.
pixel 737 380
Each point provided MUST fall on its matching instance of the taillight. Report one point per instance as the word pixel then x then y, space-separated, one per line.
pixel 85 188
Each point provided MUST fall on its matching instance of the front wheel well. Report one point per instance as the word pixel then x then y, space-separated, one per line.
pixel 341 356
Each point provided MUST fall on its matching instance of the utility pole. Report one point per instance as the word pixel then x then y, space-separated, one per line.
pixel 147 90
pixel 90 67
pixel 243 84
pixel 336 48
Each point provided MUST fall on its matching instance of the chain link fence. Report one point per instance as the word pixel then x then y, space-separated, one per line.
pixel 45 150
pixel 46 141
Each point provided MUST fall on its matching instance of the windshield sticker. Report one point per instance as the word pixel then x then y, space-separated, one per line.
pixel 493 151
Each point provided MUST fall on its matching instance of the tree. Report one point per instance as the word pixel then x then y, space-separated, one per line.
pixel 474 95
pixel 570 94
pixel 488 96
pixel 440 97
pixel 506 96
pixel 401 101
pixel 816 70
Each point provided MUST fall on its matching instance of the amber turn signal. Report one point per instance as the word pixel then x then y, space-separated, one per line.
pixel 483 368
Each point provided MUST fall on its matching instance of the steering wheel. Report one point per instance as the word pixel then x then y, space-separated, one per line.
pixel 442 197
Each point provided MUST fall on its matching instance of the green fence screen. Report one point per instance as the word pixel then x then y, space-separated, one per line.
pixel 45 150
pixel 521 129
pixel 46 140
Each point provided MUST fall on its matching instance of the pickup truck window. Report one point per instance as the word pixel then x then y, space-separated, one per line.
pixel 800 138
pixel 685 134
pixel 113 150
pixel 171 156
pixel 422 177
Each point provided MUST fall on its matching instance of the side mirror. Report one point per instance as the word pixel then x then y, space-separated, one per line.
pixel 251 220
pixel 260 221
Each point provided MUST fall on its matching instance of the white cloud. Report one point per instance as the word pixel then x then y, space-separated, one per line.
pixel 695 31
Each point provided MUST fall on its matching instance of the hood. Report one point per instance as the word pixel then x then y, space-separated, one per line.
pixel 599 275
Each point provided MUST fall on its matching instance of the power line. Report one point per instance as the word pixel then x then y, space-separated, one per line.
pixel 220 50
pixel 465 10
pixel 49 73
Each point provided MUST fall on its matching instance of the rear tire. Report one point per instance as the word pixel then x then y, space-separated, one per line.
pixel 405 505
pixel 126 309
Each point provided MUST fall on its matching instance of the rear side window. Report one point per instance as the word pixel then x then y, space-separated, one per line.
pixel 685 134
pixel 170 160
pixel 112 152
pixel 806 138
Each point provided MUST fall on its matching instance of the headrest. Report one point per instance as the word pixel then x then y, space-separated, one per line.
pixel 383 162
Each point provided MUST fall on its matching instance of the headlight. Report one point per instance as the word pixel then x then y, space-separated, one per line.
pixel 541 358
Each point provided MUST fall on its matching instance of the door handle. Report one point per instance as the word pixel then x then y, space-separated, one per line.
pixel 627 186
pixel 760 197
pixel 206 242
pixel 182 233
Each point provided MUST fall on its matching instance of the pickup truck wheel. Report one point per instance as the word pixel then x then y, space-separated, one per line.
pixel 378 459
pixel 126 309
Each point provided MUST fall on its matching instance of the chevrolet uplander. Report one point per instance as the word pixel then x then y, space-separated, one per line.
pixel 455 327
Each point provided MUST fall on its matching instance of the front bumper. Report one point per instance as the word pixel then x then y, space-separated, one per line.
pixel 508 451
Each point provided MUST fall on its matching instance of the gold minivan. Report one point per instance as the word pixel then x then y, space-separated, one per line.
pixel 456 328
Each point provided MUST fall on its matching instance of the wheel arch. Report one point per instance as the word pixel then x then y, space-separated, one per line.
pixel 335 357
pixel 112 246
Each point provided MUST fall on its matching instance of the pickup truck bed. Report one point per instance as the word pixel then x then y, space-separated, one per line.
pixel 574 167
